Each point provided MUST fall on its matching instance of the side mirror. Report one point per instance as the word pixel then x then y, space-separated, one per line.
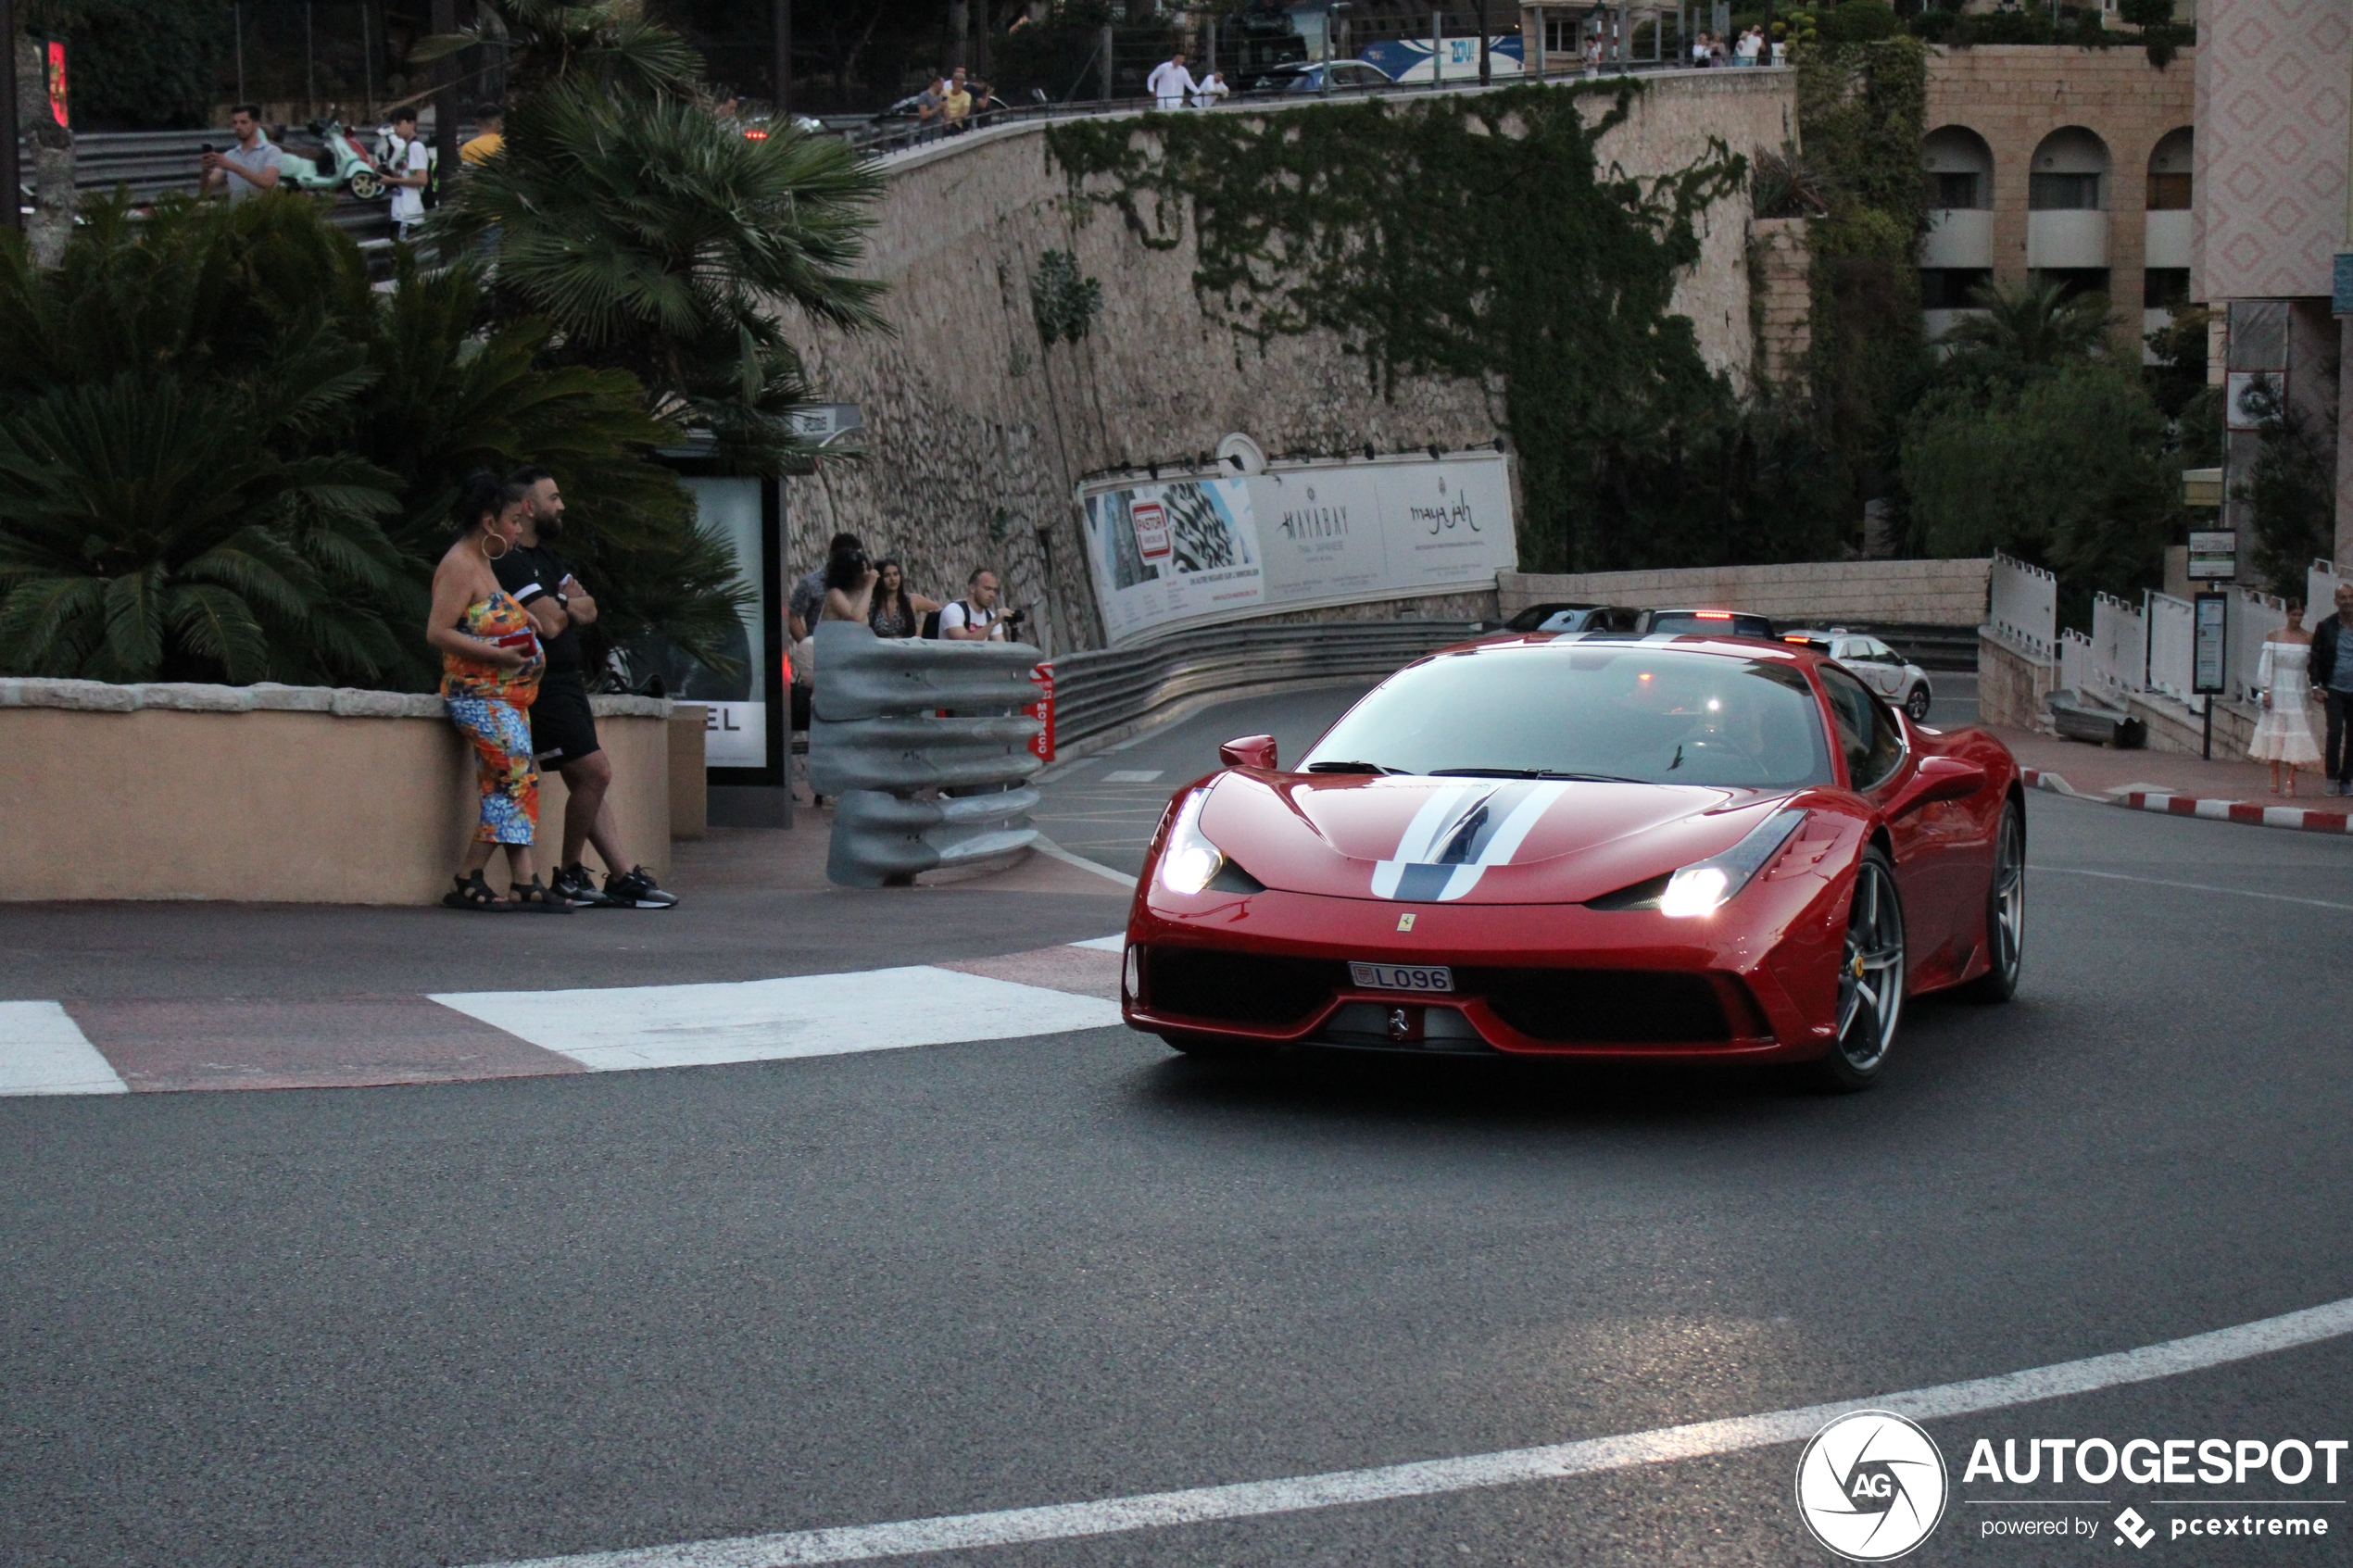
pixel 1939 778
pixel 1250 751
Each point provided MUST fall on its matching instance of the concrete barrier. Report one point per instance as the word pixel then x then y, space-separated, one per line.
pixel 918 791
pixel 272 793
pixel 1931 593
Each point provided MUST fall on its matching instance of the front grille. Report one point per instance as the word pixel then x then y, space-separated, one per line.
pixel 1600 1006
pixel 1238 987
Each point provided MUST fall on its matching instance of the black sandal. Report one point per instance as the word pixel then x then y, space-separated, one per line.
pixel 475 894
pixel 535 899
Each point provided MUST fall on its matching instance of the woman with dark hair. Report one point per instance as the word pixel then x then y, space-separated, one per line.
pixel 491 662
pixel 850 585
pixel 896 612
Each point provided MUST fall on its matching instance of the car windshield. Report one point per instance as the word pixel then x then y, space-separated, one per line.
pixel 1647 713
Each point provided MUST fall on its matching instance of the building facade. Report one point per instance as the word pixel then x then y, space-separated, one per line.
pixel 2270 217
pixel 2060 164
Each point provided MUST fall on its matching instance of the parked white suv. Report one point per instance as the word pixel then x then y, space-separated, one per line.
pixel 1877 666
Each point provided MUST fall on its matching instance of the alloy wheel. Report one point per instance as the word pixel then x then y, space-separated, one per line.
pixel 2006 934
pixel 1870 971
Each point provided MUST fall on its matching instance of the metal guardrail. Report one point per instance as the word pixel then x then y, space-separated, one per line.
pixel 879 138
pixel 876 741
pixel 1106 689
pixel 151 163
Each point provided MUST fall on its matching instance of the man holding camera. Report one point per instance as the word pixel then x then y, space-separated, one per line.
pixel 246 169
pixel 976 618
pixel 563 728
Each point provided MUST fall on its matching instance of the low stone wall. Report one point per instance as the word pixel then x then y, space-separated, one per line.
pixel 272 793
pixel 1927 593
pixel 2012 685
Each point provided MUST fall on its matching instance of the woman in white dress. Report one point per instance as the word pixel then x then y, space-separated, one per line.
pixel 2284 733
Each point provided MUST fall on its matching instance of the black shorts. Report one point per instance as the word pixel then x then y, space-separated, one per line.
pixel 563 730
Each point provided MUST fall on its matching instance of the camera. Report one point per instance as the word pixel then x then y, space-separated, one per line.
pixel 1014 617
pixel 207 148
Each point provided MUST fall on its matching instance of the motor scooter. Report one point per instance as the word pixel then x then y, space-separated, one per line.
pixel 340 164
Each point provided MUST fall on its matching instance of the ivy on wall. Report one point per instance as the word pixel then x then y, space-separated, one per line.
pixel 1861 109
pixel 1480 237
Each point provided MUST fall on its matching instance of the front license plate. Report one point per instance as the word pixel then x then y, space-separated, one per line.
pixel 1402 976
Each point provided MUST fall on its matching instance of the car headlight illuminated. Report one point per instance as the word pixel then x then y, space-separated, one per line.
pixel 1189 861
pixel 1706 885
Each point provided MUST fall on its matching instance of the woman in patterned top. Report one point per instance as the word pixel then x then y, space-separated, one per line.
pixel 491 662
pixel 895 611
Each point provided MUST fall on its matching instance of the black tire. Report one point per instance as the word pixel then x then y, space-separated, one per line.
pixel 1917 705
pixel 1208 1048
pixel 2005 912
pixel 1871 979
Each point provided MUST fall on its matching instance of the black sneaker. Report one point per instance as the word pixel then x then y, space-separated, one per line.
pixel 578 885
pixel 634 889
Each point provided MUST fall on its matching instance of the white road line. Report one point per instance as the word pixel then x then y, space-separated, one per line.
pixel 1054 851
pixel 622 1028
pixel 1105 944
pixel 43 1051
pixel 1431 1477
pixel 2190 887
pixel 1131 775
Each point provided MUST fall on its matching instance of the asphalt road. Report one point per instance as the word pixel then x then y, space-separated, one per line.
pixel 477 1321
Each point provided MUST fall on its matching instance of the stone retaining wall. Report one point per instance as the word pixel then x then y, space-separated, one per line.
pixel 1927 593
pixel 977 436
pixel 273 794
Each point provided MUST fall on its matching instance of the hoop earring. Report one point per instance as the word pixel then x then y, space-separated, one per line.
pixel 503 547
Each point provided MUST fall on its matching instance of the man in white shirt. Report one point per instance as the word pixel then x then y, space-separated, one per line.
pixel 411 164
pixel 1699 53
pixel 974 618
pixel 249 167
pixel 1209 89
pixel 1171 83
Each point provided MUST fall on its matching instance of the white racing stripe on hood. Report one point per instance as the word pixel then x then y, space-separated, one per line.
pixel 1457 835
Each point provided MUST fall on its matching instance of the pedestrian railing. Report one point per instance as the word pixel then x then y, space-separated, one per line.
pixel 2173 627
pixel 880 138
pixel 926 749
pixel 2023 605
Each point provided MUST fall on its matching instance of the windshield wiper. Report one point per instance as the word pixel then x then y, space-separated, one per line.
pixel 1350 768
pixel 1530 773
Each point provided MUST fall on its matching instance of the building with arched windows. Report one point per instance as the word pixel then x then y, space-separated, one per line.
pixel 2063 164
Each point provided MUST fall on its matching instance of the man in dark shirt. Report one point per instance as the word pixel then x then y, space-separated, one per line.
pixel 563 730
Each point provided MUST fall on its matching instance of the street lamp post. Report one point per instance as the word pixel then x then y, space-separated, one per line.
pixel 782 11
pixel 11 187
pixel 444 97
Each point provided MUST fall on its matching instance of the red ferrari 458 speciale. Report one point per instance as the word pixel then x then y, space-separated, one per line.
pixel 1593 845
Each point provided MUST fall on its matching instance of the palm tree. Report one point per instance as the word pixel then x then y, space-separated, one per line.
pixel 657 239
pixel 2022 327
pixel 154 533
pixel 172 505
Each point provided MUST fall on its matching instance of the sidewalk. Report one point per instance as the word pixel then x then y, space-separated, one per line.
pixel 2223 790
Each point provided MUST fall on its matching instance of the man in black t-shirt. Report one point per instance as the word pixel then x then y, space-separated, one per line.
pixel 563 730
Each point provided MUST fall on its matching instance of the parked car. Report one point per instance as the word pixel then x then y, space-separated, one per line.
pixel 1879 667
pixel 1574 618
pixel 1307 76
pixel 1704 622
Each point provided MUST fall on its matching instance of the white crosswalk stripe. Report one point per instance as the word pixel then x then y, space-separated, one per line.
pixel 624 1028
pixel 43 1052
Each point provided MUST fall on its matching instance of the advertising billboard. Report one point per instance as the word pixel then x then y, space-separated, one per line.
pixel 1176 552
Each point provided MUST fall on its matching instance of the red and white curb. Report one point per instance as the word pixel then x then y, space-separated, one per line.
pixel 2248 813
